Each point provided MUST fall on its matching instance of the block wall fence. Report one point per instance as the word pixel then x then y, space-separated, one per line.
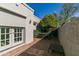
pixel 69 38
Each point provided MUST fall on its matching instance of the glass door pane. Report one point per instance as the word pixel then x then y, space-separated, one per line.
pixel 10 37
pixel 4 38
pixel 18 35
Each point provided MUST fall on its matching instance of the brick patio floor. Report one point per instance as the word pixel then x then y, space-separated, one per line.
pixel 40 49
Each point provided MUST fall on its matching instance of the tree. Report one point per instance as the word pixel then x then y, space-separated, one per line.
pixel 49 21
pixel 67 12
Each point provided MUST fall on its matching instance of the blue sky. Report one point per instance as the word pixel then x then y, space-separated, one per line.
pixel 42 9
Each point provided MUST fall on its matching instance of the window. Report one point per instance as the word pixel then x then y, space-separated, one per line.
pixel 17 34
pixel 30 22
pixel 17 5
pixel 34 23
pixel 4 36
pixel 9 36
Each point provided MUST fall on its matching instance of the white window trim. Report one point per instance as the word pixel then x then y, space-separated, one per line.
pixel 11 38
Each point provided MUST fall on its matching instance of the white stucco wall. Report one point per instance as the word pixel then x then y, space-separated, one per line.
pixel 7 19
pixel 18 9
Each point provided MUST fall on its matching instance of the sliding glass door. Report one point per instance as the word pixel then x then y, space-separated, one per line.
pixel 18 35
pixel 10 36
pixel 4 38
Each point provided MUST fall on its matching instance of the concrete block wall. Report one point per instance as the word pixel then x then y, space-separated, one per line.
pixel 69 38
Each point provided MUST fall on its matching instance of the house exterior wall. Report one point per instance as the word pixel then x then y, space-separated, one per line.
pixel 69 38
pixel 18 9
pixel 35 19
pixel 8 19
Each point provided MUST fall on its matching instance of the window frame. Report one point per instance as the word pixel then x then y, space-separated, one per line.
pixel 11 37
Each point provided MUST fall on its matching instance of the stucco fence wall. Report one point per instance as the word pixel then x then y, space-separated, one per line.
pixel 69 38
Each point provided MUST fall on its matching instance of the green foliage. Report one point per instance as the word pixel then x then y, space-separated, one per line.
pixel 68 11
pixel 49 20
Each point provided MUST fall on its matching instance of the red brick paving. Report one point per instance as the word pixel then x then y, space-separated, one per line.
pixel 39 49
pixel 20 49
